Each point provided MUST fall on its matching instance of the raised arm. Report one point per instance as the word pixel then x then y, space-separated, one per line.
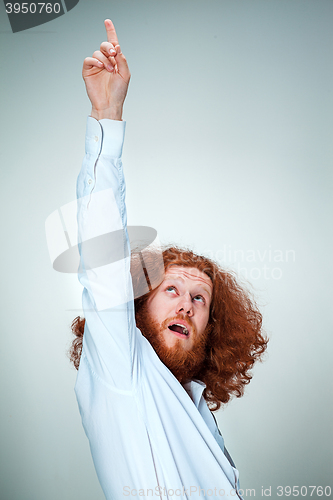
pixel 107 76
pixel 109 337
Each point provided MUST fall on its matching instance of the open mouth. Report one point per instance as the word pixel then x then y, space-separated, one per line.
pixel 180 329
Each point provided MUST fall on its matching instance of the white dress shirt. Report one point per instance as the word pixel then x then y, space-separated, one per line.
pixel 149 436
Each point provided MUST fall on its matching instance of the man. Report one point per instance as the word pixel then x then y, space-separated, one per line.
pixel 147 371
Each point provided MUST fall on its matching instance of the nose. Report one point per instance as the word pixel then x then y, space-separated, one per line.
pixel 185 305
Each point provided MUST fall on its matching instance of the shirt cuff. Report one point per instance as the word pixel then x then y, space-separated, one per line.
pixel 105 137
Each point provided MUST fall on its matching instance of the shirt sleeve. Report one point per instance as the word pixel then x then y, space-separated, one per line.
pixel 110 336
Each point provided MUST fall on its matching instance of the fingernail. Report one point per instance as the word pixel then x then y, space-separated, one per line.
pixel 110 67
pixel 112 52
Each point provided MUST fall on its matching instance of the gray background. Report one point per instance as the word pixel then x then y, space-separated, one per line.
pixel 229 151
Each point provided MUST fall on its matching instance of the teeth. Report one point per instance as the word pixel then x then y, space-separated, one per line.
pixel 185 330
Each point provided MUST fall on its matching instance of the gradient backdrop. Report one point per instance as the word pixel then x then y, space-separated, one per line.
pixel 228 150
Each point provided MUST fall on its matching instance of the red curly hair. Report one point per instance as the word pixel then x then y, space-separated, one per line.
pixel 236 341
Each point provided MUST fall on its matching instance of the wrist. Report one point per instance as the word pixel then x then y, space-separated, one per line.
pixel 111 113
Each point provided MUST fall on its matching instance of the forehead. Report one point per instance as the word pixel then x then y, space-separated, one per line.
pixel 192 274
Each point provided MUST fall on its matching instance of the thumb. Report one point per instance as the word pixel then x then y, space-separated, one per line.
pixel 122 63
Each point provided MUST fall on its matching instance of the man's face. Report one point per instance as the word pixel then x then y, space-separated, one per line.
pixel 175 319
pixel 181 306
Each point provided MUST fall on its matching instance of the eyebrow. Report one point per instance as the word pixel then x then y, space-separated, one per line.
pixel 179 278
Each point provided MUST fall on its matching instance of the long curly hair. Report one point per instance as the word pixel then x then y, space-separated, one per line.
pixel 236 341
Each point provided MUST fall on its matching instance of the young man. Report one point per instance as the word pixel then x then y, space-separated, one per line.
pixel 146 371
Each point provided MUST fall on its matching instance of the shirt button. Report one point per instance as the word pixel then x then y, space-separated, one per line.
pixel 90 181
pixel 96 138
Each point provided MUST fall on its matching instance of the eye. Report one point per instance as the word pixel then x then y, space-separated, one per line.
pixel 170 288
pixel 200 298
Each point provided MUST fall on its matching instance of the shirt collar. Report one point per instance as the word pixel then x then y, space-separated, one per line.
pixel 196 388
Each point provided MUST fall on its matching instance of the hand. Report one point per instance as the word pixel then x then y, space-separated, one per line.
pixel 107 76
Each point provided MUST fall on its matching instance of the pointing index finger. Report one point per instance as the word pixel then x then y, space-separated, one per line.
pixel 111 32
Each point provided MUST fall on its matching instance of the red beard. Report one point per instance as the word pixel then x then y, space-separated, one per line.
pixel 182 363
